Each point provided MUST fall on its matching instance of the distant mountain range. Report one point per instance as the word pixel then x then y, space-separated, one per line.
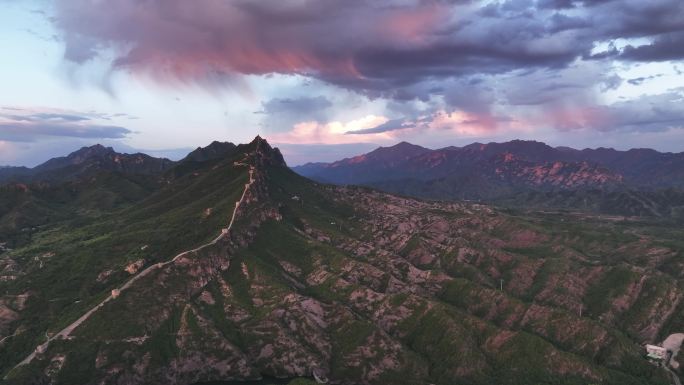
pixel 94 159
pixel 517 172
pixel 515 163
pixel 87 160
pixel 228 266
pixel 88 182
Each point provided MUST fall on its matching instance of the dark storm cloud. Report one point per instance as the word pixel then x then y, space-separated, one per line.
pixel 359 44
pixel 449 55
pixel 666 47
pixel 556 4
pixel 378 48
pixel 638 18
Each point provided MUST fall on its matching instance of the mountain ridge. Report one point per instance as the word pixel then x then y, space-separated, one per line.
pixel 635 168
pixel 344 283
pixel 595 152
pixel 214 150
pixel 87 160
pixel 96 158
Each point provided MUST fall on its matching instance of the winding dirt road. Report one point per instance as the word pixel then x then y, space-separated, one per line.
pixel 675 377
pixel 64 333
pixel 8 337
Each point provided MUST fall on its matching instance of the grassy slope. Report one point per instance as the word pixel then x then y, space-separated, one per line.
pixel 169 221
pixel 446 334
pixel 524 358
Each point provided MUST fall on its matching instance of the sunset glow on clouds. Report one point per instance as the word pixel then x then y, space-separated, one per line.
pixel 366 129
pixel 331 132
pixel 6 147
pixel 437 73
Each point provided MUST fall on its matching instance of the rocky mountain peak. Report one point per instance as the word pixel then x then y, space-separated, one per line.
pixel 83 155
pixel 264 154
pixel 93 150
pixel 86 153
pixel 97 158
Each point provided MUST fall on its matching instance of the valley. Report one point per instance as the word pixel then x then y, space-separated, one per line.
pixel 354 284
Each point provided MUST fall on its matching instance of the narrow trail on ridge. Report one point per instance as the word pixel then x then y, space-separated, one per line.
pixel 64 333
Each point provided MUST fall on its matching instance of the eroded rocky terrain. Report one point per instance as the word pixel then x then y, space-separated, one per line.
pixel 363 287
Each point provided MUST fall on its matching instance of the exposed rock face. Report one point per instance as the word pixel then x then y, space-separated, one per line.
pixel 555 175
pixel 497 171
pixel 363 287
pixel 7 316
pixel 264 155
pixel 134 267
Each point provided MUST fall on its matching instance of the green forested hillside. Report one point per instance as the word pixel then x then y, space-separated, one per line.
pixel 346 283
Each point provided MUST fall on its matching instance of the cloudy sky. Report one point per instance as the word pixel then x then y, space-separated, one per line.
pixel 325 79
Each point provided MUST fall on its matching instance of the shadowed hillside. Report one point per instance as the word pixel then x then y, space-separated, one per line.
pixel 344 283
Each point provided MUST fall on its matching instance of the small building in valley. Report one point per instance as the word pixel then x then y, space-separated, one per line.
pixel 657 353
pixel 115 293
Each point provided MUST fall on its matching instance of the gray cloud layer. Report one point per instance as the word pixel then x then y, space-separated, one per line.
pixel 281 113
pixel 477 57
pixel 18 125
pixel 369 46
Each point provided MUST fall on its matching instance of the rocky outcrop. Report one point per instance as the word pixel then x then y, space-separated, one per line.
pixel 363 287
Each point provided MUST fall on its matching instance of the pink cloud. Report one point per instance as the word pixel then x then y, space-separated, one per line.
pixel 7 151
pixel 579 117
pixel 333 132
pixel 442 123
pixel 464 123
pixel 196 40
pixel 414 26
